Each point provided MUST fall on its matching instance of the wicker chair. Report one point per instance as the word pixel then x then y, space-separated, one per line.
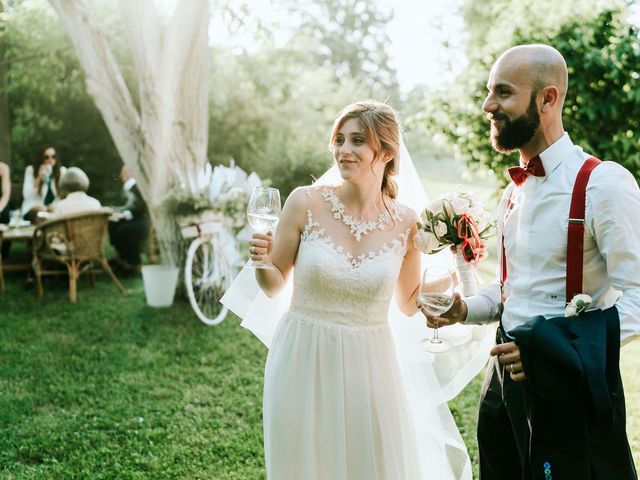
pixel 75 241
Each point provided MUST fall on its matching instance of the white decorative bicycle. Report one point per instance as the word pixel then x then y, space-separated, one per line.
pixel 207 272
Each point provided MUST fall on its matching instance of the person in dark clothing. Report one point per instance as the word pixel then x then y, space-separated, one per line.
pixel 129 226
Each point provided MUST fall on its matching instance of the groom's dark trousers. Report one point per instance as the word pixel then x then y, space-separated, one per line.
pixel 522 436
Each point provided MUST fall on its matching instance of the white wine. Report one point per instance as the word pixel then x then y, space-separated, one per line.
pixel 435 304
pixel 262 222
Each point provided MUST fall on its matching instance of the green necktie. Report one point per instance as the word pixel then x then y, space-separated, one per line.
pixel 49 197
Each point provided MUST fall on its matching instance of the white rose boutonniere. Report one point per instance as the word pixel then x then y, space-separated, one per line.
pixel 578 304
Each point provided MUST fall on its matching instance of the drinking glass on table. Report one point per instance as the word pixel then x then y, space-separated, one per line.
pixel 435 298
pixel 262 212
pixel 15 218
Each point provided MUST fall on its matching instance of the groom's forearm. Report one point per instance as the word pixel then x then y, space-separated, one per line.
pixel 484 307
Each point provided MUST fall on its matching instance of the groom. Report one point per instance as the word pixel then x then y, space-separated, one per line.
pixel 552 405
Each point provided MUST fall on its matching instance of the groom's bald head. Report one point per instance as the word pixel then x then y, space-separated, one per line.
pixel 542 65
pixel 526 91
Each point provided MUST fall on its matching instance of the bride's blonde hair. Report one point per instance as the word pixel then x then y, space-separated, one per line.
pixel 382 131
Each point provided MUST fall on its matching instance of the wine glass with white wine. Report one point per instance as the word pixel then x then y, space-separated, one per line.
pixel 262 212
pixel 435 298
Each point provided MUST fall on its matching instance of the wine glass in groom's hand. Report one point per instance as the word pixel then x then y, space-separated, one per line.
pixel 435 298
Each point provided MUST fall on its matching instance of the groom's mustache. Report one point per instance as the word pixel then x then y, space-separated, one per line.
pixel 498 116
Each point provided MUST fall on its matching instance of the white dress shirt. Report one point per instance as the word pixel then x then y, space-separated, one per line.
pixel 76 202
pixel 535 238
pixel 31 197
pixel 128 185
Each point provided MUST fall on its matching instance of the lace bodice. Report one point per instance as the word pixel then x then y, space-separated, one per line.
pixel 338 285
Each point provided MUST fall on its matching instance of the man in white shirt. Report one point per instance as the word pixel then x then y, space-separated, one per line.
pixel 526 90
pixel 74 184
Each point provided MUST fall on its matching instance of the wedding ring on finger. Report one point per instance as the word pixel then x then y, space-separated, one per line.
pixel 511 368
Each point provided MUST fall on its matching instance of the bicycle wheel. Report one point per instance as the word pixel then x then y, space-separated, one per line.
pixel 207 275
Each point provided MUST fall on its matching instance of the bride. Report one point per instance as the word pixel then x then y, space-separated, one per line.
pixel 347 394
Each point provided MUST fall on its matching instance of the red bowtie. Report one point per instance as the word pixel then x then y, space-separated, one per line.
pixel 534 167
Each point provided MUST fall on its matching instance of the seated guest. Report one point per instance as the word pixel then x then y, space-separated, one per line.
pixel 41 184
pixel 129 228
pixel 73 186
pixel 5 194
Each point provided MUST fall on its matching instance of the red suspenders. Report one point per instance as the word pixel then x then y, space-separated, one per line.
pixel 575 232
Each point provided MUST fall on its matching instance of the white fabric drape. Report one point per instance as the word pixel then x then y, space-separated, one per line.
pixel 169 133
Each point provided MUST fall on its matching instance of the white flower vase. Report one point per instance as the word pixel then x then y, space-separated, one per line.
pixel 160 282
pixel 466 276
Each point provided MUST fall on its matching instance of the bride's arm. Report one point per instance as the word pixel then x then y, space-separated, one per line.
pixel 409 279
pixel 281 250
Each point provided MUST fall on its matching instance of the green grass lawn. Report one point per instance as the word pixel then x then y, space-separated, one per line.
pixel 112 388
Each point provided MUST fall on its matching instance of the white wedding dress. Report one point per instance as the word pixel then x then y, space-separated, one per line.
pixel 335 407
pixel 349 394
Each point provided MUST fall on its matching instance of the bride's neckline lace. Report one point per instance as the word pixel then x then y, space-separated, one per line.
pixel 356 227
pixel 313 231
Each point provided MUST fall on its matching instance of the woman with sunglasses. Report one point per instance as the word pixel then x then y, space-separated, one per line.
pixel 41 183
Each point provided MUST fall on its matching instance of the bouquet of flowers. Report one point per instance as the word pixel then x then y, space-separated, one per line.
pixel 220 192
pixel 212 195
pixel 456 219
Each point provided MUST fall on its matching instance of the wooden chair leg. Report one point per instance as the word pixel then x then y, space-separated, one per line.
pixel 92 276
pixel 73 277
pixel 107 268
pixel 38 272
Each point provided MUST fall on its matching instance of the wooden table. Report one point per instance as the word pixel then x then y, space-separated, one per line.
pixel 20 234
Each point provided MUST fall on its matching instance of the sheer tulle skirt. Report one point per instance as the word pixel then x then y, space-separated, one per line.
pixel 335 407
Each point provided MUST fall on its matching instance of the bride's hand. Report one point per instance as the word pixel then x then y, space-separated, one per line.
pixel 260 247
pixel 481 251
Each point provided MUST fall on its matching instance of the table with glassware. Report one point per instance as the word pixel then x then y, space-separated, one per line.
pixel 20 232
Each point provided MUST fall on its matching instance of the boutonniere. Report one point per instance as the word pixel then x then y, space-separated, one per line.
pixel 578 304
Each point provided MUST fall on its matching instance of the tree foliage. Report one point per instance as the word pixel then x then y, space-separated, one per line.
pixel 602 51
pixel 350 37
pixel 48 101
pixel 270 109
pixel 272 115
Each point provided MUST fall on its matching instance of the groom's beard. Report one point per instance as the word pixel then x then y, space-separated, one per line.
pixel 517 132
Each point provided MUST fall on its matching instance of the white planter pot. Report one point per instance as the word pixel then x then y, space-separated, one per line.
pixel 160 283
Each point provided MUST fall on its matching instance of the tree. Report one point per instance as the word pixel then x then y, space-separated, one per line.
pixel 5 126
pixel 602 50
pixel 271 109
pixel 271 112
pixel 350 36
pixel 48 102
pixel 165 139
